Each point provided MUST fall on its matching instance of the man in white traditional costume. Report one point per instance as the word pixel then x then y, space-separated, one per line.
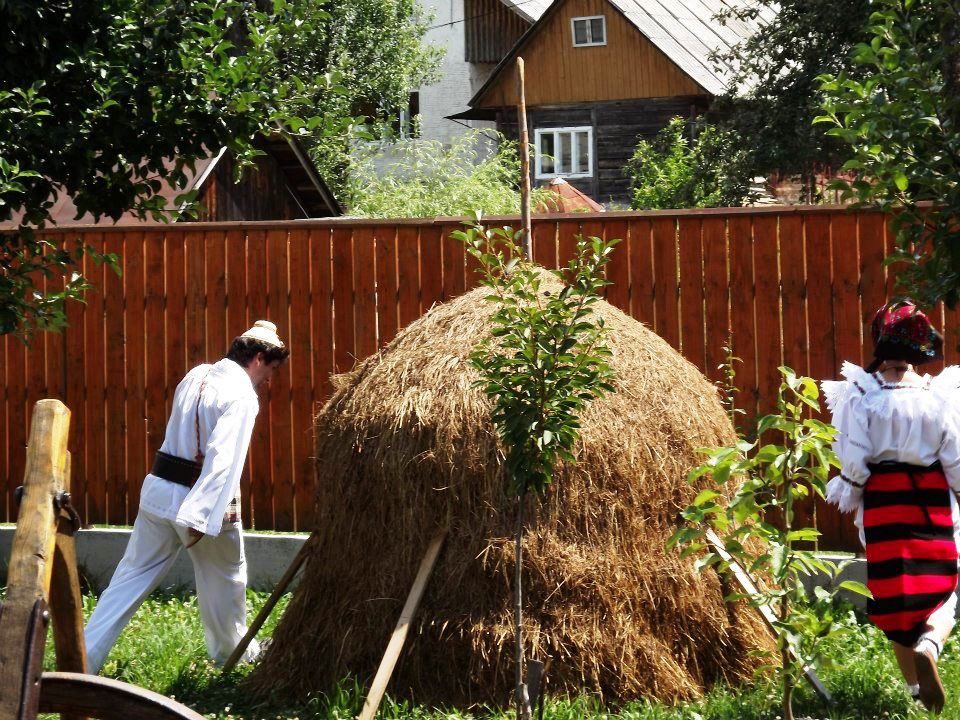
pixel 899 447
pixel 190 499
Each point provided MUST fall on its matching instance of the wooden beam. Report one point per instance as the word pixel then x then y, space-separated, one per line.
pixel 100 697
pixel 31 557
pixel 390 657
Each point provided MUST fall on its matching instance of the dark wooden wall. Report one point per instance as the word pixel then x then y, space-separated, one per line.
pixel 491 29
pixel 262 194
pixel 617 126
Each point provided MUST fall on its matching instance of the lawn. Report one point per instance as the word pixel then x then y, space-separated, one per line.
pixel 162 649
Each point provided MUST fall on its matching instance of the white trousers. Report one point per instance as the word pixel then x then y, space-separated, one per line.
pixel 219 566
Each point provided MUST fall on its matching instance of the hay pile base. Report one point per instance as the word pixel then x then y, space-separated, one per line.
pixel 405 446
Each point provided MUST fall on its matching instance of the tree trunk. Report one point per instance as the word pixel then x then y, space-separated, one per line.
pixel 523 701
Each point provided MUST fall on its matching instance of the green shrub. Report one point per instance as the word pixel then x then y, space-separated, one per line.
pixel 671 172
pixel 425 178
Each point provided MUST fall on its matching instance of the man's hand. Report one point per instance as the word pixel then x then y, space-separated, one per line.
pixel 195 537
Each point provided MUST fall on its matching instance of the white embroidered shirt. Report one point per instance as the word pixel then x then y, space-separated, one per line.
pixel 879 421
pixel 228 409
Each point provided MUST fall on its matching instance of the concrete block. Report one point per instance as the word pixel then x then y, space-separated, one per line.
pixel 99 551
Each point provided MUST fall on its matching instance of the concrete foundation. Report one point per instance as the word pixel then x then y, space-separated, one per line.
pixel 99 551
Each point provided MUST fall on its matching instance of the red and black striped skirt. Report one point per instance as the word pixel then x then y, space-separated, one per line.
pixel 911 549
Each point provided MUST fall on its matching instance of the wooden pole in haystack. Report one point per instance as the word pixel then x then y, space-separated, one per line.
pixel 524 164
pixel 522 694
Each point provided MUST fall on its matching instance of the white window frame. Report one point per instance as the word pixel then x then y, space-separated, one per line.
pixel 573 30
pixel 574 154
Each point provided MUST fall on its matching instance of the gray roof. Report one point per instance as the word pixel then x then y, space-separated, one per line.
pixel 529 10
pixel 686 31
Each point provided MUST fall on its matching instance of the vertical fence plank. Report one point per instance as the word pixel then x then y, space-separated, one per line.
pixel 301 382
pixel 742 323
pixel 431 266
pixel 75 393
pixel 154 345
pixel 767 311
pixel 196 315
pixel 454 263
pixel 666 285
pixel 716 305
pixel 641 272
pixel 364 293
pixel 176 347
pixel 237 320
pixel 16 387
pixel 792 272
pixel 387 310
pixel 408 274
pixel 846 267
pixel 321 300
pixel 261 474
pixel 282 466
pixel 344 354
pixel 567 231
pixel 618 270
pixel 872 273
pixel 94 419
pixel 692 325
pixel 55 347
pixel 116 437
pixel 217 342
pixel 135 331
pixel 545 243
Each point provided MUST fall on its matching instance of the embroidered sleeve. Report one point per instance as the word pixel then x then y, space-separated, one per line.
pixel 852 446
pixel 949 452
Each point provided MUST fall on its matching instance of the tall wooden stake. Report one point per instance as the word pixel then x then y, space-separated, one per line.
pixel 524 164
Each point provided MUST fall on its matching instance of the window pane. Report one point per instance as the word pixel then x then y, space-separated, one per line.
pixel 583 152
pixel 565 156
pixel 596 30
pixel 580 32
pixel 546 153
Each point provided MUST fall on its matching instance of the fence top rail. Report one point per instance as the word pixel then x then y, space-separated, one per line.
pixel 420 222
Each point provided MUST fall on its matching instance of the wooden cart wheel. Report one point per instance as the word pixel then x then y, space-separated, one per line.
pixel 91 696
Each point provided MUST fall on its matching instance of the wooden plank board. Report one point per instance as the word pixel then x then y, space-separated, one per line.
pixel 217 341
pixel 261 473
pixel 75 392
pixel 692 326
pixel 116 421
pixel 454 262
pixel 793 282
pixel 742 323
pixel 767 311
pixel 641 272
pixel 136 331
pixel 16 388
pixel 301 380
pixel 321 297
pixel 431 267
pixel 344 354
pixel 54 345
pixel 281 458
pixel 238 320
pixel 386 244
pixel 567 232
pixel 545 243
pixel 95 415
pixel 154 346
pixel 176 346
pixel 196 311
pixel 716 286
pixel 846 271
pixel 873 275
pixel 364 293
pixel 408 274
pixel 666 282
pixel 618 270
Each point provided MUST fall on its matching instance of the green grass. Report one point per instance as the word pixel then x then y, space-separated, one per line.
pixel 162 649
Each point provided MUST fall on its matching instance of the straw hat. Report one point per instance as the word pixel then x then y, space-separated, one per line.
pixel 264 331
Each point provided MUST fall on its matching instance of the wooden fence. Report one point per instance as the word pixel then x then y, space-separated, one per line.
pixel 777 286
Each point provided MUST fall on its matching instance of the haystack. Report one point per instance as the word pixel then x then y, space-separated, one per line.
pixel 405 446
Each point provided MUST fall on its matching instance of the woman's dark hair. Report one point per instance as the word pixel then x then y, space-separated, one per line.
pixel 245 349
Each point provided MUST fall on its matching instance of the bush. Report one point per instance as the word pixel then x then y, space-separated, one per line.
pixel 425 178
pixel 670 172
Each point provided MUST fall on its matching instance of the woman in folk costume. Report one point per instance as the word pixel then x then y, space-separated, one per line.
pixel 899 446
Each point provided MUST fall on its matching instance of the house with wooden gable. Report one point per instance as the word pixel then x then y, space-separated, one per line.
pixel 283 184
pixel 601 75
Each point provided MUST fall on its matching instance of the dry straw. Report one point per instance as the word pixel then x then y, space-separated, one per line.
pixel 405 446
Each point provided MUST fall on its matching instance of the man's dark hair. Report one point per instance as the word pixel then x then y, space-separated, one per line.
pixel 245 349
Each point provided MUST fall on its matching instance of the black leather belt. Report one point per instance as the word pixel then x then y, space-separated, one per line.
pixel 176 469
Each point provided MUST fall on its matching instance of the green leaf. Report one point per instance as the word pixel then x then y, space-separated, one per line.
pixel 856 587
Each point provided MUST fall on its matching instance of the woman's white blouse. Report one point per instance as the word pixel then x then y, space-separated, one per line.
pixel 879 421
